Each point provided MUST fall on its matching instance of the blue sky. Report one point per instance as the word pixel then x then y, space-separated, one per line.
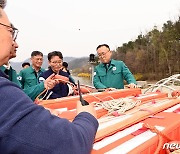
pixel 77 27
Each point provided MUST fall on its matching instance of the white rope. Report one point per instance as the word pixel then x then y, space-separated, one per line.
pixel 168 83
pixel 45 94
pixel 119 105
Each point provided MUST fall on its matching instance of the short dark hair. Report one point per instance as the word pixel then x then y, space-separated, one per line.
pixel 35 53
pixel 65 64
pixel 55 53
pixel 25 63
pixel 103 45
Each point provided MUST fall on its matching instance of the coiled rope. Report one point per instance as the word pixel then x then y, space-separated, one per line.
pixel 119 106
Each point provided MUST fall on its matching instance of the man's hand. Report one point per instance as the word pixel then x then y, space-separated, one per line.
pixel 110 89
pixel 87 108
pixel 132 85
pixel 76 92
pixel 49 83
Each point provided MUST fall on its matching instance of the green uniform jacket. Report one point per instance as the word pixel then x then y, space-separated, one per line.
pixel 12 75
pixel 32 92
pixel 30 83
pixel 113 76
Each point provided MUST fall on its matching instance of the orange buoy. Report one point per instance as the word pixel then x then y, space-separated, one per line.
pixel 61 78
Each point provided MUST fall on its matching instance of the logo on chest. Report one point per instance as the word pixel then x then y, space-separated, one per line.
pixel 114 68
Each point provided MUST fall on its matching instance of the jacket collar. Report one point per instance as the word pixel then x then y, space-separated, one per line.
pixel 32 70
pixel 7 66
pixel 3 68
pixel 112 63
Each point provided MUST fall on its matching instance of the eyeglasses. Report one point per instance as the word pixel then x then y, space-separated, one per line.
pixel 56 62
pixel 103 54
pixel 14 31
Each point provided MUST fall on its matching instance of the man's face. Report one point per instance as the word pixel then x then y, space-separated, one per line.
pixel 56 63
pixel 13 50
pixel 6 40
pixel 104 54
pixel 37 61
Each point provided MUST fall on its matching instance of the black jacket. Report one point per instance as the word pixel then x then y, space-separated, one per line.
pixel 61 89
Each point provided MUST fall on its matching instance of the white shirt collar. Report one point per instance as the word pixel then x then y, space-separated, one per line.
pixel 7 66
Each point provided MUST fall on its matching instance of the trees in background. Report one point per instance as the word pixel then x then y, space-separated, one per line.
pixel 152 56
pixel 155 55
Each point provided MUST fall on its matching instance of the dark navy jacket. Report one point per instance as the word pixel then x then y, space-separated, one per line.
pixel 61 89
pixel 27 128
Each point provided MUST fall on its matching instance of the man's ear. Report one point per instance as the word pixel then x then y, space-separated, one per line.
pixel 110 52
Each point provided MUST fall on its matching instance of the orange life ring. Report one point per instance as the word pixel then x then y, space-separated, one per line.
pixel 61 78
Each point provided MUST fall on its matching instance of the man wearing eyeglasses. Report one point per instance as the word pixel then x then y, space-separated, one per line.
pixel 6 68
pixel 110 74
pixel 31 129
pixel 55 60
pixel 29 77
pixel 9 34
pixel 32 91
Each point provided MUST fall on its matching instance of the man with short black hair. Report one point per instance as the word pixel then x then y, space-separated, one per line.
pixel 32 91
pixel 55 60
pixel 7 68
pixel 29 77
pixel 110 74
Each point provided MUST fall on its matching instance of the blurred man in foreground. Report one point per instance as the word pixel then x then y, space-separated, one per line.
pixel 32 91
pixel 29 128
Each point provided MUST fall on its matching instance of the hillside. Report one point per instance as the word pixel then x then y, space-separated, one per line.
pixel 78 63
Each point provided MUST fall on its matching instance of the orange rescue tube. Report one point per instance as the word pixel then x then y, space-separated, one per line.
pixel 61 78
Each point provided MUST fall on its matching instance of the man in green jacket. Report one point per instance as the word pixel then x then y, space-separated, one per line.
pixel 7 69
pixel 29 76
pixel 110 74
pixel 32 91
